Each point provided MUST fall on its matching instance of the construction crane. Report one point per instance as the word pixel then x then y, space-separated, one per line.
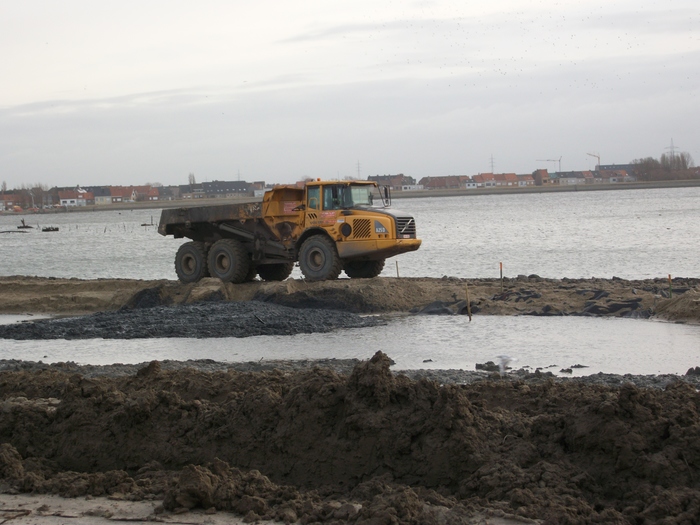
pixel 551 160
pixel 596 156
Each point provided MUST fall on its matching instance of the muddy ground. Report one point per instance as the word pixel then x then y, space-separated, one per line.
pixel 524 295
pixel 347 441
pixel 315 445
pixel 143 309
pixel 196 320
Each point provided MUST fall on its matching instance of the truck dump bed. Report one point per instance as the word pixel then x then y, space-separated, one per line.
pixel 175 221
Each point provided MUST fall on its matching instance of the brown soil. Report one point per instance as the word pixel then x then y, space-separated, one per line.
pixel 518 296
pixel 371 447
pixel 316 446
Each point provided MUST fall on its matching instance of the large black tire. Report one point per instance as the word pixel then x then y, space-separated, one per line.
pixel 318 259
pixel 275 272
pixel 228 260
pixel 191 262
pixel 363 269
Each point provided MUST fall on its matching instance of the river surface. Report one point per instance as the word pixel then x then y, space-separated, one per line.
pixel 629 233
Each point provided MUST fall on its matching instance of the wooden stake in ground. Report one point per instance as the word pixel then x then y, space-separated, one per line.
pixel 469 306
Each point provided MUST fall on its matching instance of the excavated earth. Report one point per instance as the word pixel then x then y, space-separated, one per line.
pixel 351 442
pixel 315 445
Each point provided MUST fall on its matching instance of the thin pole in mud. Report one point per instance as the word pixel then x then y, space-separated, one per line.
pixel 501 265
pixel 397 269
pixel 469 307
pixel 670 287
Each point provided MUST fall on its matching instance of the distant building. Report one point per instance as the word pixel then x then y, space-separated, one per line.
pixel 77 197
pixel 484 180
pixel 191 191
pixel 9 201
pixel 541 177
pixel 227 189
pixel 102 195
pixel 449 182
pixel 615 176
pixel 571 178
pixel 526 180
pixel 506 179
pixel 395 182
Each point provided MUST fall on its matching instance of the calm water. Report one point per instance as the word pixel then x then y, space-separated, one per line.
pixel 629 234
pixel 604 345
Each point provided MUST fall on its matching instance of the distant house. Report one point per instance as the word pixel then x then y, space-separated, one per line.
pixel 122 194
pixel 541 177
pixel 168 193
pixel 526 180
pixel 191 191
pixel 227 189
pixel 102 195
pixel 8 201
pixel 506 179
pixel 449 182
pixel 484 180
pixel 78 197
pixel 614 176
pixel 571 178
pixel 395 182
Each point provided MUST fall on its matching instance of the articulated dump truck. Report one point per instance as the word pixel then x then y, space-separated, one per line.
pixel 327 226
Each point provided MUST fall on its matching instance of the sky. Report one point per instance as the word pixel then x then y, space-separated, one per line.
pixel 136 92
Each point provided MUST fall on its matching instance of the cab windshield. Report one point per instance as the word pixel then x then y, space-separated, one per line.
pixel 339 196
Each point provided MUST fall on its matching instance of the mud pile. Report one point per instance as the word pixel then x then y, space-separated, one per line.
pixel 368 447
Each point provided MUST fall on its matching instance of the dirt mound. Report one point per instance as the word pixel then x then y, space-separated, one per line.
pixel 684 307
pixel 524 295
pixel 369 447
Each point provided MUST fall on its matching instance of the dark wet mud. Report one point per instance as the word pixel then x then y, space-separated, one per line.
pixel 198 320
pixel 320 446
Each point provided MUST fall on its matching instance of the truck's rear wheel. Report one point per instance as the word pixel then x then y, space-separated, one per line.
pixel 319 259
pixel 191 262
pixel 275 272
pixel 228 260
pixel 363 269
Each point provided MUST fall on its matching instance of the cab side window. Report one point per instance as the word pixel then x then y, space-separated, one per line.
pixel 314 198
pixel 331 198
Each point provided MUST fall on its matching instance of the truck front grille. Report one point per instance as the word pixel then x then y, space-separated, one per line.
pixel 405 226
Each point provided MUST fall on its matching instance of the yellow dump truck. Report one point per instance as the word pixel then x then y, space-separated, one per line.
pixel 327 226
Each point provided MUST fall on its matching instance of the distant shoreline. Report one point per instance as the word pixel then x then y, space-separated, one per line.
pixel 412 194
pixel 546 189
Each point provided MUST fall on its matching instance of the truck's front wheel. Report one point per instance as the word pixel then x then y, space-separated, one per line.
pixel 363 269
pixel 191 262
pixel 228 260
pixel 318 259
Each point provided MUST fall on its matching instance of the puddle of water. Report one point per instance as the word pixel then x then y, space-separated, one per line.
pixel 606 345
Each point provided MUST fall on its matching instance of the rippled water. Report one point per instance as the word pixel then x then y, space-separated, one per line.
pixel 630 234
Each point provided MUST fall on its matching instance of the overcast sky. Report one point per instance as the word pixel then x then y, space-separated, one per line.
pixel 130 92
